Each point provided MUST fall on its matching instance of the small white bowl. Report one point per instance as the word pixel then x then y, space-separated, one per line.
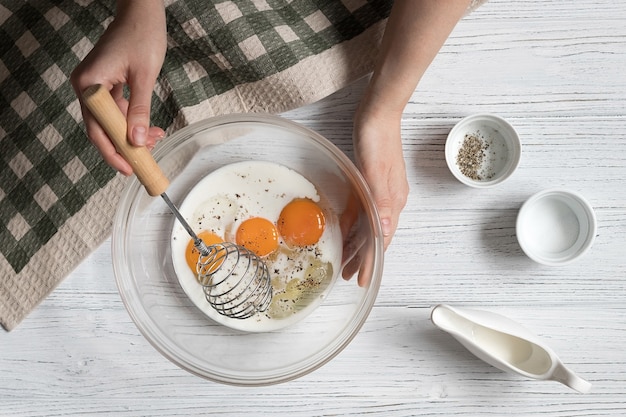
pixel 555 226
pixel 483 150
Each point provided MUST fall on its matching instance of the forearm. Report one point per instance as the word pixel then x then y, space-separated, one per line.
pixel 415 32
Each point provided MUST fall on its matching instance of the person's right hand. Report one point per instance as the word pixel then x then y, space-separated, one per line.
pixel 129 53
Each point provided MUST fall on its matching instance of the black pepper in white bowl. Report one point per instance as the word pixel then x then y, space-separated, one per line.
pixel 483 150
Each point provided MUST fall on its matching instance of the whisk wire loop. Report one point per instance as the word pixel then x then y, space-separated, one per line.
pixel 235 281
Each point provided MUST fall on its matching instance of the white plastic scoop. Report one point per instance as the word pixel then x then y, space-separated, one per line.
pixel 505 344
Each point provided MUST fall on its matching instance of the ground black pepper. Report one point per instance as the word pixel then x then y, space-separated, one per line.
pixel 470 156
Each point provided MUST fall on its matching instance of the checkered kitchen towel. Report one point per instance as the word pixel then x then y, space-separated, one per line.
pixel 57 198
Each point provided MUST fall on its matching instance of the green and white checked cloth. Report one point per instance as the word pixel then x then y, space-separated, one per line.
pixel 57 197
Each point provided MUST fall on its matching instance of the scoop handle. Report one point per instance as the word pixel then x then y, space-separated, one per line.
pixel 101 104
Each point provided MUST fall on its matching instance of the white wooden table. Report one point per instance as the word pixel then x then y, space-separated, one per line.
pixel 557 71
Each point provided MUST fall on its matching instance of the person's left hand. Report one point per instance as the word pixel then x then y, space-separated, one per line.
pixel 378 153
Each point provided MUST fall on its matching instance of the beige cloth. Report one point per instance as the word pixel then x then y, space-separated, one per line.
pixel 307 81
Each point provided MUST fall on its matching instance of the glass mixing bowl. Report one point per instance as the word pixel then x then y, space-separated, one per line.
pixel 173 324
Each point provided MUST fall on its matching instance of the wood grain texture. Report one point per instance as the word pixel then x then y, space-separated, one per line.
pixel 555 70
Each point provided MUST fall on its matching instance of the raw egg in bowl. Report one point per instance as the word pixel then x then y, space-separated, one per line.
pixel 285 193
pixel 277 214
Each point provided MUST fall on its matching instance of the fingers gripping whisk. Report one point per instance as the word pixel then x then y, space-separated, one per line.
pixel 236 282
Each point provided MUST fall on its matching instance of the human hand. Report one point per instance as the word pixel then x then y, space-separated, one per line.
pixel 378 154
pixel 414 34
pixel 130 52
pixel 358 243
pixel 378 151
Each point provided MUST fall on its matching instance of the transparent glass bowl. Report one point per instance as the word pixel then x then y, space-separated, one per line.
pixel 175 326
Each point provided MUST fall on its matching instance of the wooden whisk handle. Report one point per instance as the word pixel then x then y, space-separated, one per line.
pixel 101 104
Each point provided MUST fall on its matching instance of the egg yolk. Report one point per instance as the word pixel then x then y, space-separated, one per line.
pixel 192 254
pixel 301 222
pixel 258 235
